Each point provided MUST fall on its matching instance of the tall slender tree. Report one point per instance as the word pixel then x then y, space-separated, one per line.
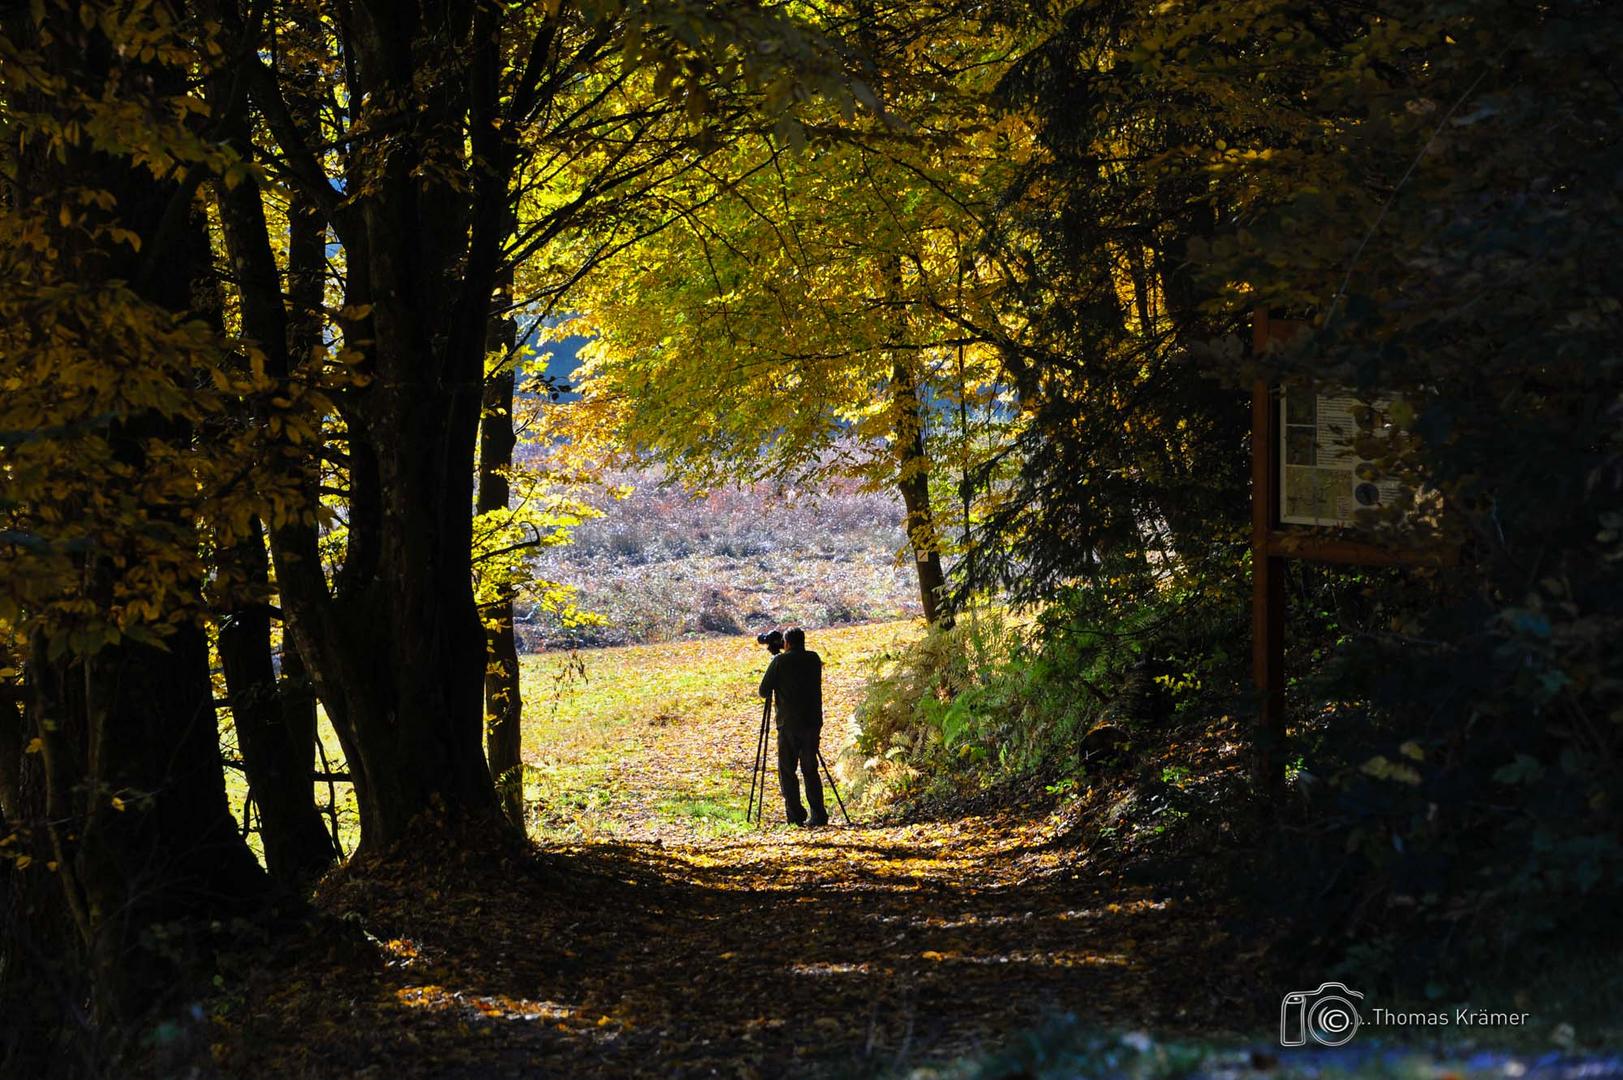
pixel 497 438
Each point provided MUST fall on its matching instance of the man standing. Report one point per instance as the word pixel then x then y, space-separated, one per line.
pixel 796 677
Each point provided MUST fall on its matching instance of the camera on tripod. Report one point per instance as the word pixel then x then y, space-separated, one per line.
pixel 775 642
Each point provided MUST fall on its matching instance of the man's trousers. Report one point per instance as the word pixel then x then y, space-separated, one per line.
pixel 800 748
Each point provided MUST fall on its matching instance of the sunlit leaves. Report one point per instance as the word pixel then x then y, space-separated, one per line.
pixel 118 441
pixel 756 335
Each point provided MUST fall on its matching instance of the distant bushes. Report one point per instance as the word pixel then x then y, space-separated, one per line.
pixel 661 565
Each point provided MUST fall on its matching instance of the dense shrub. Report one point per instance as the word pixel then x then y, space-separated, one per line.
pixel 1451 818
pixel 1000 699
pixel 1432 190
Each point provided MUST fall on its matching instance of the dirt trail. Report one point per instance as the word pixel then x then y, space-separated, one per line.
pixel 845 952
pixel 677 949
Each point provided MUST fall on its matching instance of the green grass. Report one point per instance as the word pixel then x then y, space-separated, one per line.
pixel 713 812
pixel 640 733
pixel 614 738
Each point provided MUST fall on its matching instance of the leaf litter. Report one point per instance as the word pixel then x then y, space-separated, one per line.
pixel 650 942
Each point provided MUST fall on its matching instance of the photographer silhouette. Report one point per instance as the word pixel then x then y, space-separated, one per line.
pixel 794 683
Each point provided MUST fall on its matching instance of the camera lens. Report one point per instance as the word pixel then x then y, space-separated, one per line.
pixel 1332 1020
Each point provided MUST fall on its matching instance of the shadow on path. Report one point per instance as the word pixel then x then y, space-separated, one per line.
pixel 836 952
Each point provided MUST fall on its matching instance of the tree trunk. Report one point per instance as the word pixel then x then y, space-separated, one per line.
pixel 158 842
pixel 913 480
pixel 44 980
pixel 395 645
pixel 306 355
pixel 297 693
pixel 131 791
pixel 169 850
pixel 11 745
pixel 279 757
pixel 912 461
pixel 503 704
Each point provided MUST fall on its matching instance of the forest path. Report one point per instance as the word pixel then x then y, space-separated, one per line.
pixel 844 952
pixel 654 933
pixel 651 931
pixel 854 949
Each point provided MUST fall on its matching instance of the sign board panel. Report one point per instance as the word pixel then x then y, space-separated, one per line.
pixel 1313 462
pixel 1324 479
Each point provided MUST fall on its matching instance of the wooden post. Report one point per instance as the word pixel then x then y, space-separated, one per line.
pixel 1272 544
pixel 1267 577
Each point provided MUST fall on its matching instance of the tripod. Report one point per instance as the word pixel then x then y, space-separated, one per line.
pixel 759 770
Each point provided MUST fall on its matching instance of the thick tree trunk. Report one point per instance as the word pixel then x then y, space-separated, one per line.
pixel 122 802
pixel 131 790
pixel 400 647
pixel 399 655
pixel 132 814
pixel 395 645
pixel 169 849
pixel 158 842
pixel 503 704
pixel 279 757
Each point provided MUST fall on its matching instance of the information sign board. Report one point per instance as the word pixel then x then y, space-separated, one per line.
pixel 1326 441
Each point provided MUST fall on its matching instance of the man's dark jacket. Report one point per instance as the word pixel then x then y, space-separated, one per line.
pixel 797 678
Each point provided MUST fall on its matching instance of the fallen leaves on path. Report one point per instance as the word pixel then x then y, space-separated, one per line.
pixel 845 951
pixel 679 949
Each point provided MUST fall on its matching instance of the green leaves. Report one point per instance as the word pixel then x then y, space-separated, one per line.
pixel 1526 769
pixel 1383 769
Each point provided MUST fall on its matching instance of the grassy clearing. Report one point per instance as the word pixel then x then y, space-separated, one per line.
pixel 640 739
pixel 650 738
